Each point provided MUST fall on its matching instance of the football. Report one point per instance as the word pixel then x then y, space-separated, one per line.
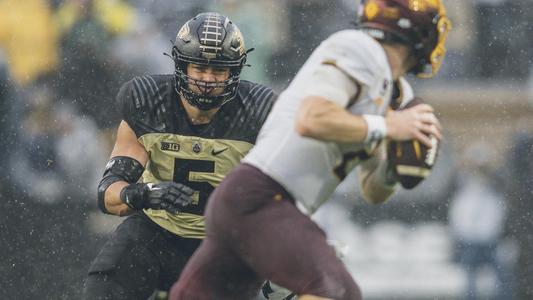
pixel 412 161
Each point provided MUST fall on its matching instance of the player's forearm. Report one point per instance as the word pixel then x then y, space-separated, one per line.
pixel 377 184
pixel 113 203
pixel 125 166
pixel 375 191
pixel 323 120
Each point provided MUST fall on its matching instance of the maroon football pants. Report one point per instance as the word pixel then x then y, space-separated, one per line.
pixel 255 232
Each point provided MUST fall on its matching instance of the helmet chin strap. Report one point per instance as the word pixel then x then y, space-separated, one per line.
pixel 202 102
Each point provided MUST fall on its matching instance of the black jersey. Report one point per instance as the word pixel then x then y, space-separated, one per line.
pixel 197 156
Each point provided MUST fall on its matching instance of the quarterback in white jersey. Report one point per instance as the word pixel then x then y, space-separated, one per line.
pixel 332 117
pixel 349 69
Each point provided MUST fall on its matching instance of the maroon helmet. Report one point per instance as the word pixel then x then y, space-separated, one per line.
pixel 420 24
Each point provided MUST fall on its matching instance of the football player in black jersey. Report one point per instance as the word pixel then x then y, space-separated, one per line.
pixel 179 136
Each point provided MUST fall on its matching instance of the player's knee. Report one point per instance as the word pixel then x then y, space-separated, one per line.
pixel 334 284
pixel 108 286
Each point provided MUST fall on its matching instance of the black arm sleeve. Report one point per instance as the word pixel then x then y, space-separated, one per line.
pixel 119 168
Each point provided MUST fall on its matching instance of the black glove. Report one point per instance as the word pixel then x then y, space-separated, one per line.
pixel 166 195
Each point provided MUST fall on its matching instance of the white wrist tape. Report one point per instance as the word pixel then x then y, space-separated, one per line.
pixel 377 129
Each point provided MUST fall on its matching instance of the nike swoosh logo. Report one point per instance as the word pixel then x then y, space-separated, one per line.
pixel 217 152
pixel 151 187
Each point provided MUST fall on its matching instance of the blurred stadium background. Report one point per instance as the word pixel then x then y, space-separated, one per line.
pixel 62 62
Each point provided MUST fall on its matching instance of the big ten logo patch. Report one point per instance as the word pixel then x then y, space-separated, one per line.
pixel 170 146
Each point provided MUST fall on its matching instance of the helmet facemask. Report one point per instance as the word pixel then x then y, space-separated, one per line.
pixel 431 60
pixel 205 100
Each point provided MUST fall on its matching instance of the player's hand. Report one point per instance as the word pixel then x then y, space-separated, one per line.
pixel 167 195
pixel 417 122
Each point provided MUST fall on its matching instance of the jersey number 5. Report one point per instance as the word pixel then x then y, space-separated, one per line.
pixel 182 169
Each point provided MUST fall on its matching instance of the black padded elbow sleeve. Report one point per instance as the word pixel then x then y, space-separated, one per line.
pixel 119 168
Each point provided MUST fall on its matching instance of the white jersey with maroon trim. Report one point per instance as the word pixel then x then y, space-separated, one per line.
pixel 349 68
